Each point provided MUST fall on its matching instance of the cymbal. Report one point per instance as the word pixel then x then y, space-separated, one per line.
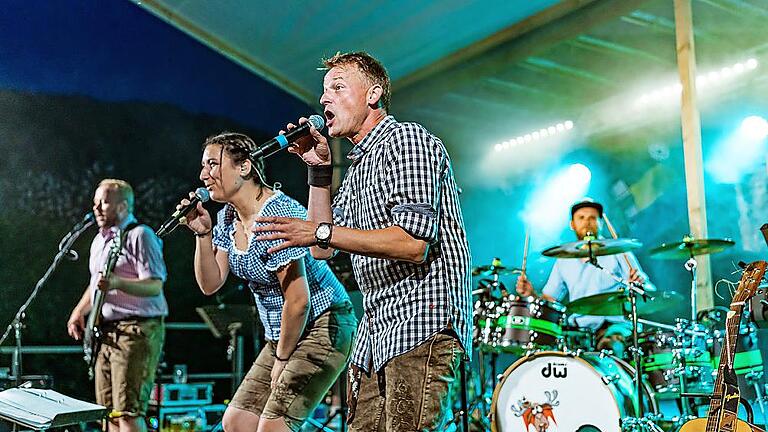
pixel 617 303
pixel 595 247
pixel 689 247
pixel 490 270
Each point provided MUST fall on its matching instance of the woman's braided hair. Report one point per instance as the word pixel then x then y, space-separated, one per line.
pixel 238 147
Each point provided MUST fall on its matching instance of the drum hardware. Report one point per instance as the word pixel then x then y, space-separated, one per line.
pixel 639 424
pixel 633 290
pixel 753 378
pixel 688 248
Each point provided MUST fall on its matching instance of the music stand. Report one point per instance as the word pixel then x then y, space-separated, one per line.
pixel 38 409
pixel 229 320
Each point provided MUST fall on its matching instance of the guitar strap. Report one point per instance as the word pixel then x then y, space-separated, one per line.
pixel 131 226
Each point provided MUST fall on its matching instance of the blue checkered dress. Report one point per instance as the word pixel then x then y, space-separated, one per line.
pixel 258 267
pixel 401 175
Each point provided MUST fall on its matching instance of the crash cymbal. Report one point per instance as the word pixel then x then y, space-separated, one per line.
pixel 592 248
pixel 617 303
pixel 689 247
pixel 490 270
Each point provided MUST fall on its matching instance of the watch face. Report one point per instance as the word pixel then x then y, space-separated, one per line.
pixel 323 232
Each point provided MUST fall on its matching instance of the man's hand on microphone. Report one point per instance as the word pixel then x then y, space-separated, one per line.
pixel 294 232
pixel 198 219
pixel 313 149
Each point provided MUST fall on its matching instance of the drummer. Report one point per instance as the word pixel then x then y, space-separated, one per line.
pixel 574 278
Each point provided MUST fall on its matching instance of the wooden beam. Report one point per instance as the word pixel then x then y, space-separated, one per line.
pixel 415 90
pixel 691 127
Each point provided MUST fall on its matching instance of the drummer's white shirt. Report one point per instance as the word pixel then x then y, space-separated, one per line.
pixel 574 278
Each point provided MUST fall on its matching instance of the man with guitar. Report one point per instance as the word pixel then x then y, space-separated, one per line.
pixel 128 338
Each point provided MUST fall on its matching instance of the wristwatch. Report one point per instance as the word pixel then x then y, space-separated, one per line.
pixel 323 235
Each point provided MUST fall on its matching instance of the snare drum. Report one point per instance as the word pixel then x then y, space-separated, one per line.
pixel 528 324
pixel 554 391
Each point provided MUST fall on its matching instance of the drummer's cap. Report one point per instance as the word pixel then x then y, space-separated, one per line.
pixel 587 202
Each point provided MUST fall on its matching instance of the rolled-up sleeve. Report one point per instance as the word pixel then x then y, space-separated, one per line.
pixel 416 171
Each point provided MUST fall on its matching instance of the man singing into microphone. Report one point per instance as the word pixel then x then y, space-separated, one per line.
pixel 133 311
pixel 397 213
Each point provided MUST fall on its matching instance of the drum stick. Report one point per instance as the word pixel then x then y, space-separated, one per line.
pixel 609 225
pixel 525 251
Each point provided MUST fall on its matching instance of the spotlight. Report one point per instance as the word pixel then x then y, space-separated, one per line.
pixel 755 127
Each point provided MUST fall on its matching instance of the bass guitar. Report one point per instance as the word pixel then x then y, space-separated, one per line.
pixel 92 335
pixel 724 402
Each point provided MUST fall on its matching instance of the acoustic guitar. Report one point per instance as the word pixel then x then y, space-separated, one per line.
pixel 724 402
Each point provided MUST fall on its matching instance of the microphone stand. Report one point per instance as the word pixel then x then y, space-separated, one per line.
pixel 17 324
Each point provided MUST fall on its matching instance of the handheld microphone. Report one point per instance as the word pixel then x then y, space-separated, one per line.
pixel 281 141
pixel 201 195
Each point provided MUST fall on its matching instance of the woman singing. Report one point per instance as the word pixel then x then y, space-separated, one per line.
pixel 308 318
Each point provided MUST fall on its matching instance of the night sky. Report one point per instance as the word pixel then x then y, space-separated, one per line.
pixel 116 51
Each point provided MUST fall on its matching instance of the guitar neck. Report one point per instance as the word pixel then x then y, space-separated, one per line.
pixel 724 405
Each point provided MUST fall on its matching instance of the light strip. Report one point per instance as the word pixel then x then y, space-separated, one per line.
pixel 534 135
pixel 702 81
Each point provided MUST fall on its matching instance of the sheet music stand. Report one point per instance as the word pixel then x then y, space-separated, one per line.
pixel 37 409
pixel 230 320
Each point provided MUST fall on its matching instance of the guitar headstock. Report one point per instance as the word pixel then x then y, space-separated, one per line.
pixel 749 282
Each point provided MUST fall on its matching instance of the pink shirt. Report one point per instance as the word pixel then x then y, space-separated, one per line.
pixel 141 258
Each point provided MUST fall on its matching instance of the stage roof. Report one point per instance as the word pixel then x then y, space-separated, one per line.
pixel 481 72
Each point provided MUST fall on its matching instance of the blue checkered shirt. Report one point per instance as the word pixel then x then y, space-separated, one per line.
pixel 258 267
pixel 401 175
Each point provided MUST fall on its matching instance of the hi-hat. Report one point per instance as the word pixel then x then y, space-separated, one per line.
pixel 617 303
pixel 689 247
pixel 490 270
pixel 592 248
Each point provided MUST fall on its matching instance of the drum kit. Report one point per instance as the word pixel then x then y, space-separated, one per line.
pixel 559 380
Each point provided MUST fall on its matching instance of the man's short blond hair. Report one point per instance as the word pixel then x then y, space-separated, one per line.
pixel 373 71
pixel 123 188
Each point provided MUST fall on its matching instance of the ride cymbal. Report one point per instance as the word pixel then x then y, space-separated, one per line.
pixel 617 303
pixel 689 246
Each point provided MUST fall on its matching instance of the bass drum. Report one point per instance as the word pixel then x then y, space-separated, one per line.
pixel 558 392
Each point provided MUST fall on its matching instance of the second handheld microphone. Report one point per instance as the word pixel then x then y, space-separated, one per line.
pixel 281 141
pixel 201 195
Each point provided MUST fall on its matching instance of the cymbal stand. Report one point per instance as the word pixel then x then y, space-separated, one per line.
pixel 691 266
pixel 633 290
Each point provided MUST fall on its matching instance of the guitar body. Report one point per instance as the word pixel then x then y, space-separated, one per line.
pixel 700 425
pixel 92 334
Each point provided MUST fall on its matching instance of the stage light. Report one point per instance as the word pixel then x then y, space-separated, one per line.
pixel 535 135
pixel 755 127
pixel 580 173
pixel 732 158
pixel 704 80
pixel 547 210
